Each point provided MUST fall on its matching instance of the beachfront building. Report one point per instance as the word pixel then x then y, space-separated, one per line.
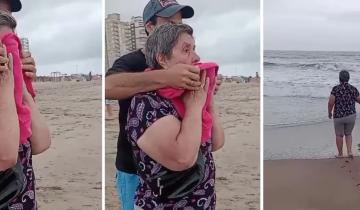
pixel 139 30
pixel 118 35
pixel 122 37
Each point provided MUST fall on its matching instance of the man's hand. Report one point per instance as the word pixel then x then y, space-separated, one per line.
pixel 6 70
pixel 330 115
pixel 218 83
pixel 183 76
pixel 28 65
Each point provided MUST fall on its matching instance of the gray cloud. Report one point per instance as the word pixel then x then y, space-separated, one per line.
pixel 227 32
pixel 312 25
pixel 63 34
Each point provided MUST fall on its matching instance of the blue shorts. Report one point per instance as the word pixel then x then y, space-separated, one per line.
pixel 126 185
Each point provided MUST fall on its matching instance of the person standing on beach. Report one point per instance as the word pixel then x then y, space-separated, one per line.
pixel 193 131
pixel 341 107
pixel 23 130
pixel 127 78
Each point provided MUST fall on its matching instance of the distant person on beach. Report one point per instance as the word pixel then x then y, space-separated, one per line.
pixel 168 143
pixel 341 107
pixel 127 77
pixel 23 131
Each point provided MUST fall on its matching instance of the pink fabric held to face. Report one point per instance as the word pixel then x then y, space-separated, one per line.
pixel 175 95
pixel 13 46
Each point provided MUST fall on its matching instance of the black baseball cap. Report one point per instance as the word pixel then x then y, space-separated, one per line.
pixel 15 5
pixel 166 8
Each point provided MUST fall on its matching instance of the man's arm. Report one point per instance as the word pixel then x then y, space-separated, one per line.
pixel 331 104
pixel 124 85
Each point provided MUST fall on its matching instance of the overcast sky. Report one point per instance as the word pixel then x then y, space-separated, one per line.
pixel 228 34
pixel 64 35
pixel 312 25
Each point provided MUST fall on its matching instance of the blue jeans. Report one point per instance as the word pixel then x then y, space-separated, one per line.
pixel 126 185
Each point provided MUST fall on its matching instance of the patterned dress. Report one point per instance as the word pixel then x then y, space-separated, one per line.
pixel 144 110
pixel 345 99
pixel 26 200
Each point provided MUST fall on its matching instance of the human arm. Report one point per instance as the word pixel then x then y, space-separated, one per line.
pixel 9 122
pixel 40 138
pixel 331 104
pixel 218 136
pixel 124 85
pixel 357 96
pixel 177 146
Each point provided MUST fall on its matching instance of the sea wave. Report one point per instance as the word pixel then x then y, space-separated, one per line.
pixel 315 66
pixel 307 96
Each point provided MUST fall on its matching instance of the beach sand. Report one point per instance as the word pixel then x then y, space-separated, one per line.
pixel 309 177
pixel 329 184
pixel 68 175
pixel 238 163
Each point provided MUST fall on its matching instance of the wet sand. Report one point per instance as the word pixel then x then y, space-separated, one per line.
pixel 309 177
pixel 330 184
pixel 68 175
pixel 238 173
pixel 313 141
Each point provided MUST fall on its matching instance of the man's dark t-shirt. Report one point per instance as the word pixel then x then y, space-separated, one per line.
pixel 131 62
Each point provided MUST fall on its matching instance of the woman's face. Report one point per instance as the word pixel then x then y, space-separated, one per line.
pixel 183 52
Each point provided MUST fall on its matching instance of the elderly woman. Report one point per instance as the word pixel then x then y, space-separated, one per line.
pixel 167 145
pixel 23 132
pixel 343 97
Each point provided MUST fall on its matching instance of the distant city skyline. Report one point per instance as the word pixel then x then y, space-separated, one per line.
pixel 122 37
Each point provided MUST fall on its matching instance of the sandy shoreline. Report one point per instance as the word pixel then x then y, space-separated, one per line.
pixel 315 141
pixel 306 176
pixel 68 175
pixel 330 184
pixel 238 173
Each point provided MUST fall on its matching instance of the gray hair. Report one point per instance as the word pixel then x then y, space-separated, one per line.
pixel 162 41
pixel 344 76
pixel 7 20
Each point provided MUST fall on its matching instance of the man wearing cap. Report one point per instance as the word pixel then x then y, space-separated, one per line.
pixel 127 77
pixel 28 63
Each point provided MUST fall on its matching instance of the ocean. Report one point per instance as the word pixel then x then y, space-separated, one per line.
pixel 297 84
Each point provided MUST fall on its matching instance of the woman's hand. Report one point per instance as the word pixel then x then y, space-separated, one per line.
pixel 197 98
pixel 6 72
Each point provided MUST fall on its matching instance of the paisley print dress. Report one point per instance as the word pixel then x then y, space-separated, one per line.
pixel 144 110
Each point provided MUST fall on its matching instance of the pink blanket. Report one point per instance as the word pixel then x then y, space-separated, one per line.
pixel 13 46
pixel 175 95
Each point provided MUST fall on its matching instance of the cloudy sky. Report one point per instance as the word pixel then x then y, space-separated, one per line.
pixel 228 34
pixel 64 35
pixel 312 25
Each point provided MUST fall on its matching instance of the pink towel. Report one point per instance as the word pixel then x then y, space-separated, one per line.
pixel 175 95
pixel 13 46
